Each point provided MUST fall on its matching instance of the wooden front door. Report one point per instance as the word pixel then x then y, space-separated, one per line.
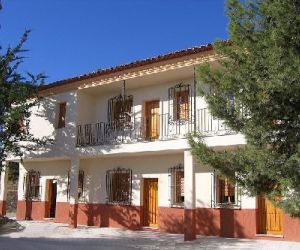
pixel 269 217
pixel 52 193
pixel 151 202
pixel 152 119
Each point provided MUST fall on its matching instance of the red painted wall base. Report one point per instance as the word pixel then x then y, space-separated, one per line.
pixel 189 224
pixel 225 222
pixel 104 215
pixel 238 223
pixel 2 207
pixel 30 210
pixel 73 210
pixel 171 219
pixel 21 210
pixel 101 215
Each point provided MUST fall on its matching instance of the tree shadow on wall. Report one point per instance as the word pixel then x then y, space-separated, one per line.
pixel 64 140
pixel 110 215
pixel 223 222
pixel 171 220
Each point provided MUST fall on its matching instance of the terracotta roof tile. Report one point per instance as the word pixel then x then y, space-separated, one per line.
pixel 135 64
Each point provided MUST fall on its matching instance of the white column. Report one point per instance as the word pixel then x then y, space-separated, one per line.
pixel 189 197
pixel 21 184
pixel 3 181
pixel 3 188
pixel 161 120
pixel 74 172
pixel 189 181
pixel 22 205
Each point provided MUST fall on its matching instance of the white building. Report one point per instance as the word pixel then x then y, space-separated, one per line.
pixel 120 157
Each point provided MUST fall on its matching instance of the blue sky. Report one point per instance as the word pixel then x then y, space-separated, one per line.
pixel 73 37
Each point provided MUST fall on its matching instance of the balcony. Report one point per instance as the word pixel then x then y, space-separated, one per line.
pixel 151 128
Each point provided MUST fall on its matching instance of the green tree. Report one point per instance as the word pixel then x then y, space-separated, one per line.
pixel 18 94
pixel 256 91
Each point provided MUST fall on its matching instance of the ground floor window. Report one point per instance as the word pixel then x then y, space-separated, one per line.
pixel 32 185
pixel 225 192
pixel 80 184
pixel 119 186
pixel 177 185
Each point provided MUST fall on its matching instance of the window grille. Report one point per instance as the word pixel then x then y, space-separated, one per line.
pixel 177 185
pixel 119 186
pixel 180 102
pixel 62 115
pixel 32 185
pixel 80 184
pixel 224 193
pixel 120 109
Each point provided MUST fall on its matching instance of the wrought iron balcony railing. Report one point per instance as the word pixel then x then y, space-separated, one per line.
pixel 155 127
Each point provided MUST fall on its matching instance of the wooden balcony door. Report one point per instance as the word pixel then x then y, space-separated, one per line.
pixel 269 217
pixel 151 202
pixel 152 119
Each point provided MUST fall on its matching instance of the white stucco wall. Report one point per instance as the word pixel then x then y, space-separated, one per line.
pixel 140 95
pixel 142 167
pixel 57 170
pixel 89 107
pixel 146 166
pixel 86 108
pixel 43 123
pixel 98 104
pixel 204 188
pixel 146 159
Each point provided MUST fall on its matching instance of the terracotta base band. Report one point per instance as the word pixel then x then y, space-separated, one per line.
pixel 189 224
pixel 73 211
pixel 224 222
pixel 2 207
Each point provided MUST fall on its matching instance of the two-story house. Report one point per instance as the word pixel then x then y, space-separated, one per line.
pixel 120 156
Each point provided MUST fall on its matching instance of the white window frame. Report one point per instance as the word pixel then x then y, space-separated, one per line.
pixel 215 199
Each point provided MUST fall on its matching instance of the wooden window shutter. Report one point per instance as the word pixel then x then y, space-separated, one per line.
pixel 117 110
pixel 62 115
pixel 182 103
pixel 229 189
pixel 220 185
pixel 120 109
pixel 226 191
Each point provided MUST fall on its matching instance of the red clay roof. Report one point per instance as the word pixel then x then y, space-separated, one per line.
pixel 135 64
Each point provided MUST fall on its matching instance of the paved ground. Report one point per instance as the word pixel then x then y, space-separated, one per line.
pixel 46 235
